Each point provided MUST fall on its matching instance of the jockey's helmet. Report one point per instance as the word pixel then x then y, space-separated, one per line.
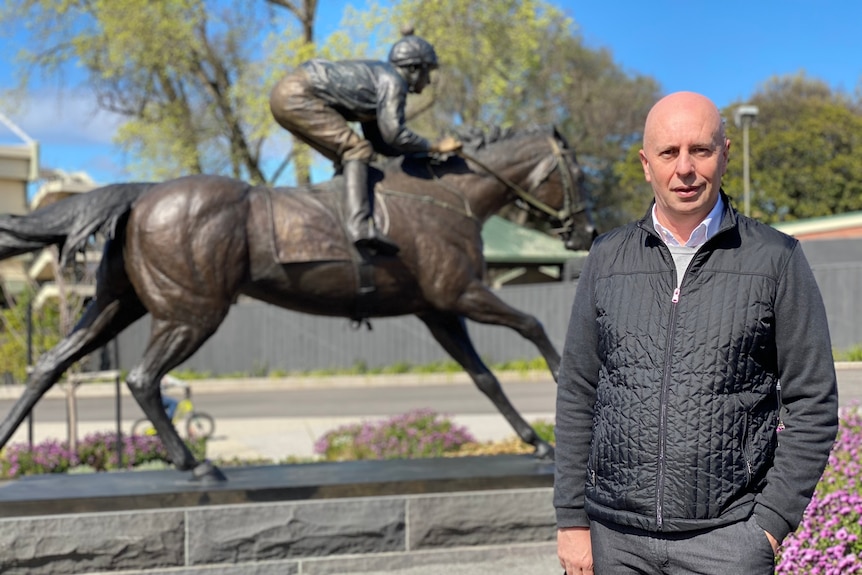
pixel 413 51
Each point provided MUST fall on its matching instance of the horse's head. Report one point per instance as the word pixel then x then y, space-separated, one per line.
pixel 556 188
pixel 540 173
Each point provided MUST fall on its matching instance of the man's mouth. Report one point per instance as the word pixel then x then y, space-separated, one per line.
pixel 686 191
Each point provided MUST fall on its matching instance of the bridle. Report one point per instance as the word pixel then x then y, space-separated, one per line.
pixel 564 217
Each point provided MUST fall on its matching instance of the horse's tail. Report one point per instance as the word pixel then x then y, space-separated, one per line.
pixel 69 222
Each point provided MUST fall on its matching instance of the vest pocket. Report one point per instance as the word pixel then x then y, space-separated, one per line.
pixel 746 450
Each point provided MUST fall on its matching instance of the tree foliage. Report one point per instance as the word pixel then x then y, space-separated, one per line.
pixel 805 151
pixel 188 76
pixel 46 333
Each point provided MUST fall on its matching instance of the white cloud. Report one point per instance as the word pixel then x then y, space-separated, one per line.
pixel 66 118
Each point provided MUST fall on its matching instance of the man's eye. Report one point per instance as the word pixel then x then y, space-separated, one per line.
pixel 702 152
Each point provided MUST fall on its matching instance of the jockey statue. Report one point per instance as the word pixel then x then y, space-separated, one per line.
pixel 317 100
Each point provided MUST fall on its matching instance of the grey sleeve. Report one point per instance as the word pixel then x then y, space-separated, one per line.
pixel 809 395
pixel 576 395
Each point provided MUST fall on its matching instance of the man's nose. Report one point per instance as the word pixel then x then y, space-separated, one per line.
pixel 684 164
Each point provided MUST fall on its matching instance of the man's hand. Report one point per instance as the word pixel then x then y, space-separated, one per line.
pixel 575 551
pixel 772 541
pixel 446 146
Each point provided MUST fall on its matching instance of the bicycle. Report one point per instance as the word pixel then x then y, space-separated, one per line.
pixel 196 424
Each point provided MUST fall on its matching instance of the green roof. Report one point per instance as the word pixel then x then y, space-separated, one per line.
pixel 506 242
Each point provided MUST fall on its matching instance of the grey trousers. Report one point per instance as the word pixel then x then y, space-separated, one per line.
pixel 736 549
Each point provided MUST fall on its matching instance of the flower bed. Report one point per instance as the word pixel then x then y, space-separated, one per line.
pixel 421 433
pixel 829 539
pixel 97 452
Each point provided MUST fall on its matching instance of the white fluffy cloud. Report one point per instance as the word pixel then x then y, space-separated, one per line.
pixel 65 118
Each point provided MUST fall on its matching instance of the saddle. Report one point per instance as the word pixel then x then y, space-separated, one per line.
pixel 308 223
pixel 308 226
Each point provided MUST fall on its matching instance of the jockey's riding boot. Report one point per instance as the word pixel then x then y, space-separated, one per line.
pixel 360 211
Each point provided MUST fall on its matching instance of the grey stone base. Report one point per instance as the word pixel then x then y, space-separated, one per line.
pixel 155 522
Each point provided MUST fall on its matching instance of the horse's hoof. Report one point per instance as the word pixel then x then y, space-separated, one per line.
pixel 206 472
pixel 544 451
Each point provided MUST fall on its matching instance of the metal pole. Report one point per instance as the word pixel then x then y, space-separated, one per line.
pixel 29 364
pixel 119 404
pixel 119 422
pixel 746 178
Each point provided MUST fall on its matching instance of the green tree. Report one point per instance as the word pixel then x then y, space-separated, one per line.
pixel 188 76
pixel 13 333
pixel 805 151
pixel 51 318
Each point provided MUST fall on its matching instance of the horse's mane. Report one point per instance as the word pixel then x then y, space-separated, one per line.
pixel 476 139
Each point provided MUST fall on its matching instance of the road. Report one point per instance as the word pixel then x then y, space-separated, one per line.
pixel 236 402
pixel 454 398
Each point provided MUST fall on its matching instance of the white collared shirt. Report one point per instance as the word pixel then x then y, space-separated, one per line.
pixel 699 236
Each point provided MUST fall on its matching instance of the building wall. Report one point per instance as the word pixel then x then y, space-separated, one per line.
pixel 13 197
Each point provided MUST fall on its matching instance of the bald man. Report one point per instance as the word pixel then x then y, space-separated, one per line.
pixel 690 330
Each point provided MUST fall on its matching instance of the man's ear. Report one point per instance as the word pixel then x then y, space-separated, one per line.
pixel 644 164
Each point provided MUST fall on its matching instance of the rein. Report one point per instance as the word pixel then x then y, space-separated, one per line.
pixel 540 173
pixel 526 196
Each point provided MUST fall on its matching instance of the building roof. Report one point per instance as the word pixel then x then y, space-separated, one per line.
pixel 508 243
pixel 847 225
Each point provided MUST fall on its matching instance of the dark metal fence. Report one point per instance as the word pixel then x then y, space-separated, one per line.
pixel 257 338
pixel 841 287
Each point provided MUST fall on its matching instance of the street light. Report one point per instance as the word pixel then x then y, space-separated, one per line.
pixel 743 116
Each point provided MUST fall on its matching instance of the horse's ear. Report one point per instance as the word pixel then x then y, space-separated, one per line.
pixel 559 136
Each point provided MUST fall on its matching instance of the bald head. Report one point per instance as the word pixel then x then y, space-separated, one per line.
pixel 683 107
pixel 684 158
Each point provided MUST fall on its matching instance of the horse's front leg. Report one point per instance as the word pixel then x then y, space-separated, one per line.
pixel 170 344
pixel 450 331
pixel 480 304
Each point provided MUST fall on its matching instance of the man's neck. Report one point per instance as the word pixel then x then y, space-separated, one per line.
pixel 680 228
pixel 683 227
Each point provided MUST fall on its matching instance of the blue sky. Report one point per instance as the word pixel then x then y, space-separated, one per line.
pixel 724 50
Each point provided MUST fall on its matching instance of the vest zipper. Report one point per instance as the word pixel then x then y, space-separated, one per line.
pixel 662 420
pixel 780 423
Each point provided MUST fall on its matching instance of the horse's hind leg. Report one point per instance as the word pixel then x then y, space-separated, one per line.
pixel 106 316
pixel 171 342
pixel 450 331
pixel 480 304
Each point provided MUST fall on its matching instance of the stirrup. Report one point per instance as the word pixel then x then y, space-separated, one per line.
pixel 378 244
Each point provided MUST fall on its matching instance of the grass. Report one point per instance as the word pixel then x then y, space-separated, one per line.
pixel 362 368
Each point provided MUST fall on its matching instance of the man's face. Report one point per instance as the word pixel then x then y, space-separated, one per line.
pixel 684 157
pixel 419 78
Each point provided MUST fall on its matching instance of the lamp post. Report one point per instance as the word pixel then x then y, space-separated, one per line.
pixel 743 117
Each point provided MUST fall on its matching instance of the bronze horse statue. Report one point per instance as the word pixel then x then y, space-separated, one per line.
pixel 184 250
